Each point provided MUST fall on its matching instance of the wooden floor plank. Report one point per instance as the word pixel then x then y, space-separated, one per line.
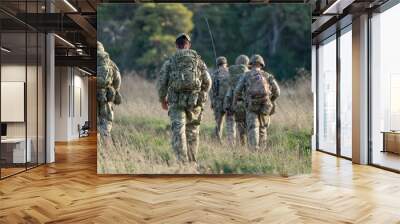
pixel 70 191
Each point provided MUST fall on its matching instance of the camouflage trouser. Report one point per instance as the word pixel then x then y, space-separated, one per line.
pixel 240 119
pixel 105 117
pixel 230 126
pixel 104 126
pixel 219 122
pixel 257 125
pixel 185 127
pixel 241 130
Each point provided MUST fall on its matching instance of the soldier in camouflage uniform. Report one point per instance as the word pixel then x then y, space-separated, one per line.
pixel 236 72
pixel 260 91
pixel 220 86
pixel 108 85
pixel 183 90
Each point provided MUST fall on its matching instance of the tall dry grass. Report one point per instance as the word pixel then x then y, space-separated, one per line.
pixel 141 137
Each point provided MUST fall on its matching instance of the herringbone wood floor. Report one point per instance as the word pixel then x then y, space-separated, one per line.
pixel 70 191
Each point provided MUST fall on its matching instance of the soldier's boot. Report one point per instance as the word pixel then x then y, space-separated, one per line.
pixel 253 128
pixel 241 130
pixel 219 120
pixel 230 129
pixel 192 134
pixel 178 139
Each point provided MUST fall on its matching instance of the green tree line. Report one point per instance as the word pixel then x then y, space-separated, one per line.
pixel 139 37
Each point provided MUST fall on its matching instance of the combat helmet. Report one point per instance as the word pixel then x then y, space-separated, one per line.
pixel 186 36
pixel 257 59
pixel 242 60
pixel 221 60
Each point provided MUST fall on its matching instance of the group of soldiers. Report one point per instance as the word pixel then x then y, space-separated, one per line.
pixel 242 94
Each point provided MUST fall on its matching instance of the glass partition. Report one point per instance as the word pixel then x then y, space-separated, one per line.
pixel 385 89
pixel 327 95
pixel 22 78
pixel 14 153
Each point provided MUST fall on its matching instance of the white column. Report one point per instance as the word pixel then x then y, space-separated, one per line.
pixel 50 110
pixel 360 90
pixel 50 93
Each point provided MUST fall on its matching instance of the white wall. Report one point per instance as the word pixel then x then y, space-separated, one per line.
pixel 12 73
pixel 15 73
pixel 71 87
pixel 61 103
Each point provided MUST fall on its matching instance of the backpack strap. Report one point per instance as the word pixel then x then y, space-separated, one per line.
pixel 196 65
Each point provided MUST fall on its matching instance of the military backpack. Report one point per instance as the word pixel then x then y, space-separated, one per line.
pixel 235 72
pixel 258 92
pixel 220 84
pixel 103 70
pixel 185 72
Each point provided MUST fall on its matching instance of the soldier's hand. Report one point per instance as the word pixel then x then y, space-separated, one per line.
pixel 164 104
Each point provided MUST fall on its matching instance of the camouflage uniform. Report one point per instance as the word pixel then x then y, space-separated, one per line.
pixel 257 114
pixel 236 72
pixel 185 106
pixel 218 91
pixel 108 85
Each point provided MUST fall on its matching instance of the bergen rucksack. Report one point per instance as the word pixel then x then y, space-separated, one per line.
pixel 185 74
pixel 220 84
pixel 104 77
pixel 235 72
pixel 258 88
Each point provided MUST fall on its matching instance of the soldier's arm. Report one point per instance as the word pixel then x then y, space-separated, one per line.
pixel 274 87
pixel 205 78
pixel 117 77
pixel 228 99
pixel 116 84
pixel 102 70
pixel 163 80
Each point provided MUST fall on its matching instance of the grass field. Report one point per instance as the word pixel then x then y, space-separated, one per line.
pixel 141 137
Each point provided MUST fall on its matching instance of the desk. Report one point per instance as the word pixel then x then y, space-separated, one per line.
pixel 13 150
pixel 391 141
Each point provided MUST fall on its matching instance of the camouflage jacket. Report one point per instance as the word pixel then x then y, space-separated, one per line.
pixel 165 90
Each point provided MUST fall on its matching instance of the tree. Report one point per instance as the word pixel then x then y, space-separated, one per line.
pixel 155 27
pixel 139 37
pixel 281 33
